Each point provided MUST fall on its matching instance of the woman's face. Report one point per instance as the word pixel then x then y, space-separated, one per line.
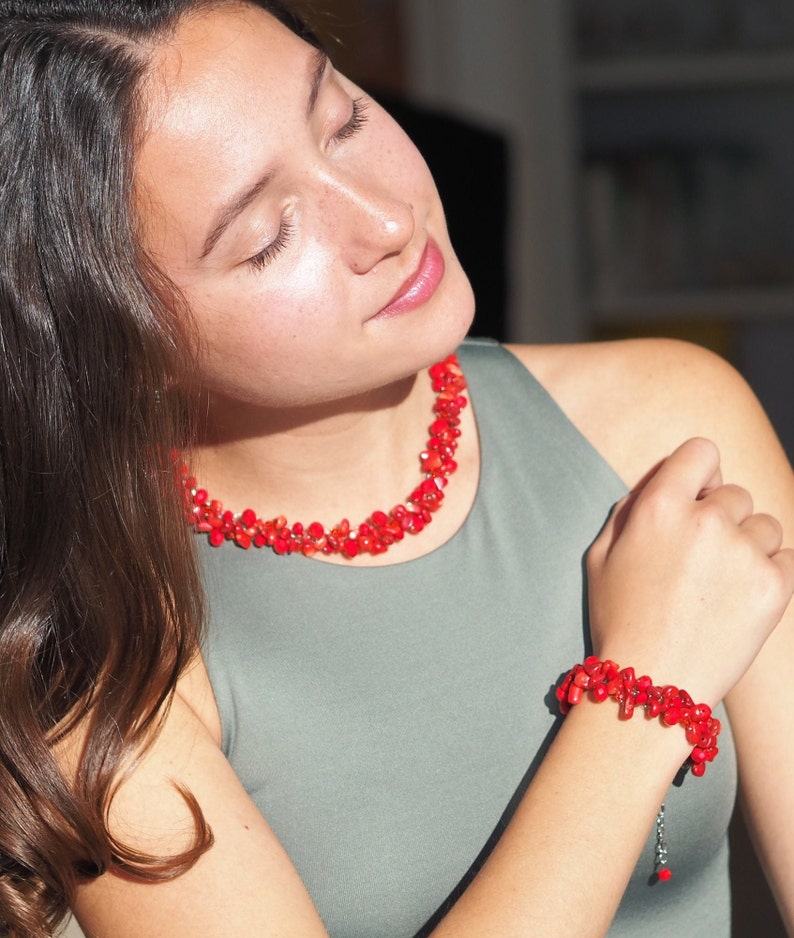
pixel 298 220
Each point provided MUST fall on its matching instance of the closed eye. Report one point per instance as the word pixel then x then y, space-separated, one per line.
pixel 358 118
pixel 276 246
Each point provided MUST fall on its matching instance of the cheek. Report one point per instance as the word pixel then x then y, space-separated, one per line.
pixel 279 319
pixel 398 154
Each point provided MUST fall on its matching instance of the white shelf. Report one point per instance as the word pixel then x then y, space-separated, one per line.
pixel 739 304
pixel 684 71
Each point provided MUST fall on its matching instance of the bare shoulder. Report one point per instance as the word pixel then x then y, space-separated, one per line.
pixel 637 400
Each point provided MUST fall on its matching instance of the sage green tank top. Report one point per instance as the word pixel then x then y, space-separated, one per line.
pixel 387 719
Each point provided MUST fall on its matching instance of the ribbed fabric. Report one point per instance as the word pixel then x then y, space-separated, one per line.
pixel 385 719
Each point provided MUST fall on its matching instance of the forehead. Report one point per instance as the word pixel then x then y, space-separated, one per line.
pixel 227 54
pixel 226 88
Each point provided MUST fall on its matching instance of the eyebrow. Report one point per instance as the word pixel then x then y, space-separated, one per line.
pixel 238 203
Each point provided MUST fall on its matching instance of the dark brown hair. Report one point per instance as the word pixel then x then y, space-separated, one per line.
pixel 100 600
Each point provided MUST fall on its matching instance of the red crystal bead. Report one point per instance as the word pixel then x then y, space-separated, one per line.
pixel 671 716
pixel 431 461
pixel 665 874
pixel 574 694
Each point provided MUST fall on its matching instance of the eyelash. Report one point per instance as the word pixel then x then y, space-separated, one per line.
pixel 265 256
pixel 358 119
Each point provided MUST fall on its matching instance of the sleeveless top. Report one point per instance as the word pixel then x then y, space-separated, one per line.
pixel 386 720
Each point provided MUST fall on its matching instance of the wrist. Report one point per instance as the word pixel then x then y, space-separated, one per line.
pixel 673 707
pixel 600 680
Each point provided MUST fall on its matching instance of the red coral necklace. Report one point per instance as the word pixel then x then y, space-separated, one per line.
pixel 380 530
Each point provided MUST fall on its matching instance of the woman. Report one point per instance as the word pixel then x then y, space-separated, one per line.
pixel 201 216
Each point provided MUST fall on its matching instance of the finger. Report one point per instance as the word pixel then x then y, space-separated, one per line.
pixel 611 529
pixel 765 530
pixel 785 560
pixel 735 501
pixel 690 470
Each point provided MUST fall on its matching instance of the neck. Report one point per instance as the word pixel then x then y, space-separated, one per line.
pixel 338 459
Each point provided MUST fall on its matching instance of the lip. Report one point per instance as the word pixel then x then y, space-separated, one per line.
pixel 420 286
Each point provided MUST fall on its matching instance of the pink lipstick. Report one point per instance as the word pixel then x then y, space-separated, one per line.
pixel 420 286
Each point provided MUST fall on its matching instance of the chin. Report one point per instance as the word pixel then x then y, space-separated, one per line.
pixel 449 326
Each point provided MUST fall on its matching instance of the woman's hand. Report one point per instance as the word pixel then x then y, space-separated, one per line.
pixel 686 583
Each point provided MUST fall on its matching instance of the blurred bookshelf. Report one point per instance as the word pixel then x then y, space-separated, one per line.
pixel 684 70
pixel 686 184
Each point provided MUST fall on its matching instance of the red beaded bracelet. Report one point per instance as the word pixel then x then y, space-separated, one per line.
pixel 602 679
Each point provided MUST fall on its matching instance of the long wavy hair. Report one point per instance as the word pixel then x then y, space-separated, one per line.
pixel 100 599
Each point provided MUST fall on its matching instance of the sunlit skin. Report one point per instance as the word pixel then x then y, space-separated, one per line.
pixel 298 367
pixel 349 202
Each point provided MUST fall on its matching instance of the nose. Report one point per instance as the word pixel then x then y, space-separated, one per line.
pixel 370 222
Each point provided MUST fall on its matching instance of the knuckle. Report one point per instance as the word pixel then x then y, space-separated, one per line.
pixel 772 524
pixel 658 502
pixel 743 497
pixel 711 514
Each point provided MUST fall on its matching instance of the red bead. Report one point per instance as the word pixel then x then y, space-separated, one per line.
pixel 216 537
pixel 316 530
pixel 665 874
pixel 430 461
pixel 694 734
pixel 350 548
pixel 248 518
pixel 671 716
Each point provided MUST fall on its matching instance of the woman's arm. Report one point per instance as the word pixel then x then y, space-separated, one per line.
pixel 244 885
pixel 641 398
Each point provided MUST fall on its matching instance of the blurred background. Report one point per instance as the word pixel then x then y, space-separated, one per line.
pixel 610 168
